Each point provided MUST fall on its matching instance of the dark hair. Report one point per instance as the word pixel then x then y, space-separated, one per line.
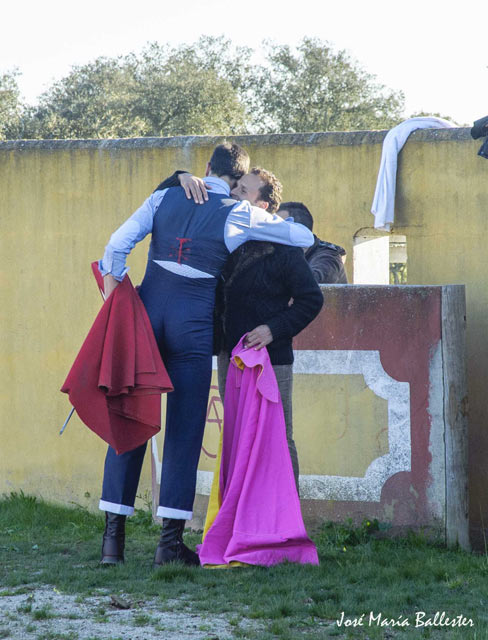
pixel 271 190
pixel 229 160
pixel 299 212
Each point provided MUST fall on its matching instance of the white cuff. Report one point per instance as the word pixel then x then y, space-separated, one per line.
pixel 177 514
pixel 113 263
pixel 112 507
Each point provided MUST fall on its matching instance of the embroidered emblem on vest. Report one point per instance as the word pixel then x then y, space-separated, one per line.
pixel 182 251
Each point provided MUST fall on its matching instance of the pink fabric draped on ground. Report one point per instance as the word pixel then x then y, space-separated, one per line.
pixel 259 521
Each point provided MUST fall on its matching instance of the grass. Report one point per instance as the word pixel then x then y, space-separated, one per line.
pixel 44 544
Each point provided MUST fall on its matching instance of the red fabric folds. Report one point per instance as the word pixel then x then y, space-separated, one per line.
pixel 116 381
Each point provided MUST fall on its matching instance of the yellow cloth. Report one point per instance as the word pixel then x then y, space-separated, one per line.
pixel 214 503
pixel 215 499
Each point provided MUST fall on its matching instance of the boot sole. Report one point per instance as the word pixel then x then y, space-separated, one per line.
pixel 111 561
pixel 177 562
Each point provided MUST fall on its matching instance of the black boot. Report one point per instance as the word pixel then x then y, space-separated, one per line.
pixel 113 539
pixel 171 547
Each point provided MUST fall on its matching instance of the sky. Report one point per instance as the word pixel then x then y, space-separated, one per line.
pixel 435 52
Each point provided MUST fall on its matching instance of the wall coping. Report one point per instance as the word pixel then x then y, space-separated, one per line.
pixel 326 139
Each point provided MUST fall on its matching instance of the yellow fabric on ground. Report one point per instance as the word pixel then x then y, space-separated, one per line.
pixel 215 499
pixel 214 503
pixel 231 565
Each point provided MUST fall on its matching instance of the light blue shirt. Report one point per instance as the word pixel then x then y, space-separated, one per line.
pixel 244 223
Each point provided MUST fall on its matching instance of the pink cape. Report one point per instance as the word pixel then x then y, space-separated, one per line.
pixel 259 521
pixel 116 381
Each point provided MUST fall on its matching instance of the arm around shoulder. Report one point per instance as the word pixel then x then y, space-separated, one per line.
pixel 272 228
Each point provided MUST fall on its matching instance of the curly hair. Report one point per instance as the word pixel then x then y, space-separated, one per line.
pixel 271 191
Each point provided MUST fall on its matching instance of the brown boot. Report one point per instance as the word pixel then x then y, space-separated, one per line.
pixel 113 539
pixel 171 547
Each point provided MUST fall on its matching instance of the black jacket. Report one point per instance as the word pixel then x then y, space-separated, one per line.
pixel 259 280
pixel 326 263
pixel 172 181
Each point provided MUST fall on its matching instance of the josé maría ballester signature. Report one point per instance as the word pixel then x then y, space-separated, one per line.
pixel 419 619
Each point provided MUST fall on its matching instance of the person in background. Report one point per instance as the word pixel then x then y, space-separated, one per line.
pixel 325 259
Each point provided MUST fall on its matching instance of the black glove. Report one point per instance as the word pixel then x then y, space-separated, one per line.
pixel 480 128
pixel 483 152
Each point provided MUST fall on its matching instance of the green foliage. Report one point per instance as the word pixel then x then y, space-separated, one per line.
pixel 209 87
pixel 142 620
pixel 346 534
pixel 396 576
pixel 143 518
pixel 315 88
pixel 436 114
pixel 173 573
pixel 26 517
pixel 42 613
pixel 11 107
pixel 162 92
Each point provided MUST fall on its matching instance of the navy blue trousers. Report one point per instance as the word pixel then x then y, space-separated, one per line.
pixel 181 313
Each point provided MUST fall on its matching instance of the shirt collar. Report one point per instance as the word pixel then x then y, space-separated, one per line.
pixel 218 185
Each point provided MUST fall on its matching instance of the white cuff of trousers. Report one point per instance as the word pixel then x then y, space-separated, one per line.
pixel 112 507
pixel 177 514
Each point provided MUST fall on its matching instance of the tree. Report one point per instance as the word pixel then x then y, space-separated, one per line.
pixel 11 107
pixel 162 92
pixel 430 114
pixel 318 89
pixel 211 88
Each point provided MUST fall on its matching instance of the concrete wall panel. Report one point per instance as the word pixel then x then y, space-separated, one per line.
pixel 62 199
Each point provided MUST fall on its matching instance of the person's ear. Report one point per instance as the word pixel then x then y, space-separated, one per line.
pixel 262 204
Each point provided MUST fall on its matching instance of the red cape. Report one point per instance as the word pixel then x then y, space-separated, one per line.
pixel 117 379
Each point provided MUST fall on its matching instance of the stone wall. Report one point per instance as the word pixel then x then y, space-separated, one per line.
pixel 62 199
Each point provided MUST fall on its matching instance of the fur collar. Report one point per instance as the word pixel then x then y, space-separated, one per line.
pixel 245 257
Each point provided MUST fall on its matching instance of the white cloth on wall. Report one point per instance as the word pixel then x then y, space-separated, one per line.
pixel 383 207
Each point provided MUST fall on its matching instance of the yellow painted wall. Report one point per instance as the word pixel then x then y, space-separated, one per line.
pixel 60 201
pixel 327 422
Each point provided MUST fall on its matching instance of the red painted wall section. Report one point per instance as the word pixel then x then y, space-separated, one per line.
pixel 404 325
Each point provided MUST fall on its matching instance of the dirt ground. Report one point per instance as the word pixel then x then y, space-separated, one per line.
pixel 46 614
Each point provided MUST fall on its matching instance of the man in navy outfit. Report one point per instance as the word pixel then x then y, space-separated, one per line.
pixel 189 246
